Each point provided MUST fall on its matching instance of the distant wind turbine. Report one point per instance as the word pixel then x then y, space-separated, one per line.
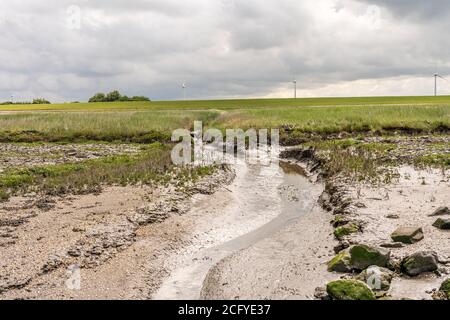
pixel 295 88
pixel 436 75
pixel 184 86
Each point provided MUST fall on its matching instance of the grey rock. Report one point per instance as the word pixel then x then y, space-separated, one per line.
pixel 420 262
pixel 408 235
pixel 442 211
pixel 377 278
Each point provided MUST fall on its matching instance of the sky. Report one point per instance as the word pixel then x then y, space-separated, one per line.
pixel 67 50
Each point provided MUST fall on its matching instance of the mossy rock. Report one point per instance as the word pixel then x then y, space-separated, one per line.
pixel 348 229
pixel 349 290
pixel 445 288
pixel 443 224
pixel 363 256
pixel 340 263
pixel 339 221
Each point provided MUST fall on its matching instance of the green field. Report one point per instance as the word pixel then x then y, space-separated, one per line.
pixel 231 104
pixel 154 121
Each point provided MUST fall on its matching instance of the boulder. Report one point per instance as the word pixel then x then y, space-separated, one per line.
pixel 349 290
pixel 359 257
pixel 408 235
pixel 442 211
pixel 363 256
pixel 420 262
pixel 443 224
pixel 445 288
pixel 377 278
pixel 340 263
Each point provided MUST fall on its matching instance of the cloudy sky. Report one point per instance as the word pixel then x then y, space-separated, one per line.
pixel 66 50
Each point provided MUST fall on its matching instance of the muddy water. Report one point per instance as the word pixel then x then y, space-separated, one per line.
pixel 261 202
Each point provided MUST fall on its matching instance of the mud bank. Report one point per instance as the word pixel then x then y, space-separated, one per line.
pixel 119 241
pixel 371 213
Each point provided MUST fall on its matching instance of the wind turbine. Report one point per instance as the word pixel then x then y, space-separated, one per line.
pixel 184 86
pixel 295 88
pixel 437 75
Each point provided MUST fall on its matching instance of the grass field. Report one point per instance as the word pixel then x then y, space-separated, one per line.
pixel 154 121
pixel 230 104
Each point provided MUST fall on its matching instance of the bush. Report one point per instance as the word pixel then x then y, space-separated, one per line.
pixel 115 96
pixel 99 97
pixel 41 101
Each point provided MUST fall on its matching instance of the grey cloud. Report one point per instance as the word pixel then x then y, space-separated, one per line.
pixel 221 48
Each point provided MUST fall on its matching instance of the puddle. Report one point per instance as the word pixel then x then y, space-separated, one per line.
pixel 263 200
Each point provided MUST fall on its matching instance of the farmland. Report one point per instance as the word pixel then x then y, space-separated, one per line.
pixel 150 121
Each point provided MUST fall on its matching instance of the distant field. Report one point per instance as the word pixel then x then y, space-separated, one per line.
pixel 154 121
pixel 231 104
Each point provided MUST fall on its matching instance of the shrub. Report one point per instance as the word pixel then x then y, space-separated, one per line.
pixel 41 101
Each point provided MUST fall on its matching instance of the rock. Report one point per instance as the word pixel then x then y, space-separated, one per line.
pixel 377 278
pixel 442 211
pixel 340 263
pixel 363 256
pixel 346 230
pixel 339 221
pixel 349 290
pixel 341 246
pixel 321 293
pixel 359 257
pixel 445 288
pixel 395 245
pixel 408 235
pixel 420 262
pixel 443 224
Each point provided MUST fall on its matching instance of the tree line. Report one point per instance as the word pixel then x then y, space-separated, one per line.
pixel 115 96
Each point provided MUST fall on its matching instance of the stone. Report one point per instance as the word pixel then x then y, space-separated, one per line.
pixel 443 224
pixel 348 229
pixel 340 263
pixel 377 278
pixel 393 245
pixel 442 211
pixel 420 262
pixel 393 216
pixel 349 290
pixel 445 288
pixel 359 257
pixel 408 235
pixel 363 256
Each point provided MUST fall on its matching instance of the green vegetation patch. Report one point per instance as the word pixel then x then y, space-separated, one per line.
pixel 151 166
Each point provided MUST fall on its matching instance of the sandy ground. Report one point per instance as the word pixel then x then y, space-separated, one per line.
pixel 416 195
pixel 119 240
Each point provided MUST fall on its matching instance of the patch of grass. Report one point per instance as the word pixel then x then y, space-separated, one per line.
pixel 151 166
pixel 355 159
pixel 130 127
pixel 435 160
